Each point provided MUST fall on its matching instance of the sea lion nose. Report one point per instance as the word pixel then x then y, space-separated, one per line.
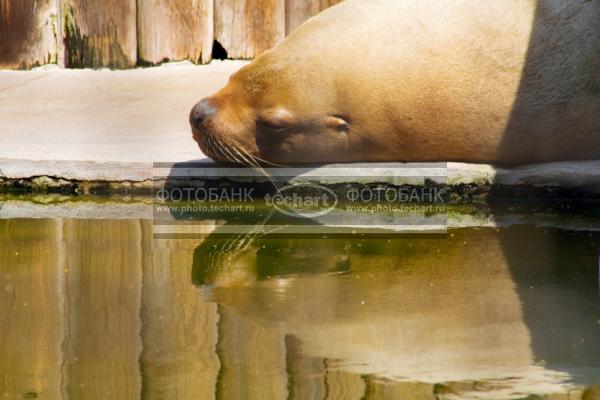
pixel 200 112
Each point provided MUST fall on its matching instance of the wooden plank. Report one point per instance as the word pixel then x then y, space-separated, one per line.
pixel 175 30
pixel 345 385
pixel 253 362
pixel 246 28
pixel 31 275
pixel 103 300
pixel 180 330
pixel 383 389
pixel 100 34
pixel 298 11
pixel 306 375
pixel 28 33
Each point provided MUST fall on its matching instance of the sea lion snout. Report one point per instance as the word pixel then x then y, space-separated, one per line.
pixel 202 111
pixel 223 131
pixel 201 119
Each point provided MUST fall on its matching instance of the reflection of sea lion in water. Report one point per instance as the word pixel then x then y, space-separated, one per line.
pixel 477 305
pixel 504 82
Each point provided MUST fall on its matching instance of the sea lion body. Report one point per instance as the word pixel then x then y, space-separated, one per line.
pixel 505 82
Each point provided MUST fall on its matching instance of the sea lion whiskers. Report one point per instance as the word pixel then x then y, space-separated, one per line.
pixel 227 150
pixel 218 146
pixel 262 160
pixel 207 142
pixel 254 164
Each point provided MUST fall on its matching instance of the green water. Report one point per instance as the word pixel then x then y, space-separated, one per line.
pixel 99 309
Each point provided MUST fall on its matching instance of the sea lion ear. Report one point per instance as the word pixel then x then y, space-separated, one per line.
pixel 338 123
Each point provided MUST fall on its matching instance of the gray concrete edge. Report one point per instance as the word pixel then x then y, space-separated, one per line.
pixel 572 174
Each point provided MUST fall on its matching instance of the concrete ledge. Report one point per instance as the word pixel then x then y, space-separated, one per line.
pixel 84 171
pixel 124 177
pixel 568 174
pixel 572 174
pixel 576 174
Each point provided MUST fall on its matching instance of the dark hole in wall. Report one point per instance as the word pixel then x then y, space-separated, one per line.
pixel 218 51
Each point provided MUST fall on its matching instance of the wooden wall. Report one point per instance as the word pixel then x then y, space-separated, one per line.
pixel 27 33
pixel 125 33
pixel 246 28
pixel 100 33
pixel 298 11
pixel 175 29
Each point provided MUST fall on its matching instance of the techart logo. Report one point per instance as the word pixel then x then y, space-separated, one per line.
pixel 303 200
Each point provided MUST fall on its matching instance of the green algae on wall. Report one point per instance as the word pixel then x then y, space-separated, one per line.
pixel 102 36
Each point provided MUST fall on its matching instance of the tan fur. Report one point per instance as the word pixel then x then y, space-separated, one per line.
pixel 506 82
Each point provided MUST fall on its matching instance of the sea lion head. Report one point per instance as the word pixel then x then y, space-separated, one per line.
pixel 270 113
